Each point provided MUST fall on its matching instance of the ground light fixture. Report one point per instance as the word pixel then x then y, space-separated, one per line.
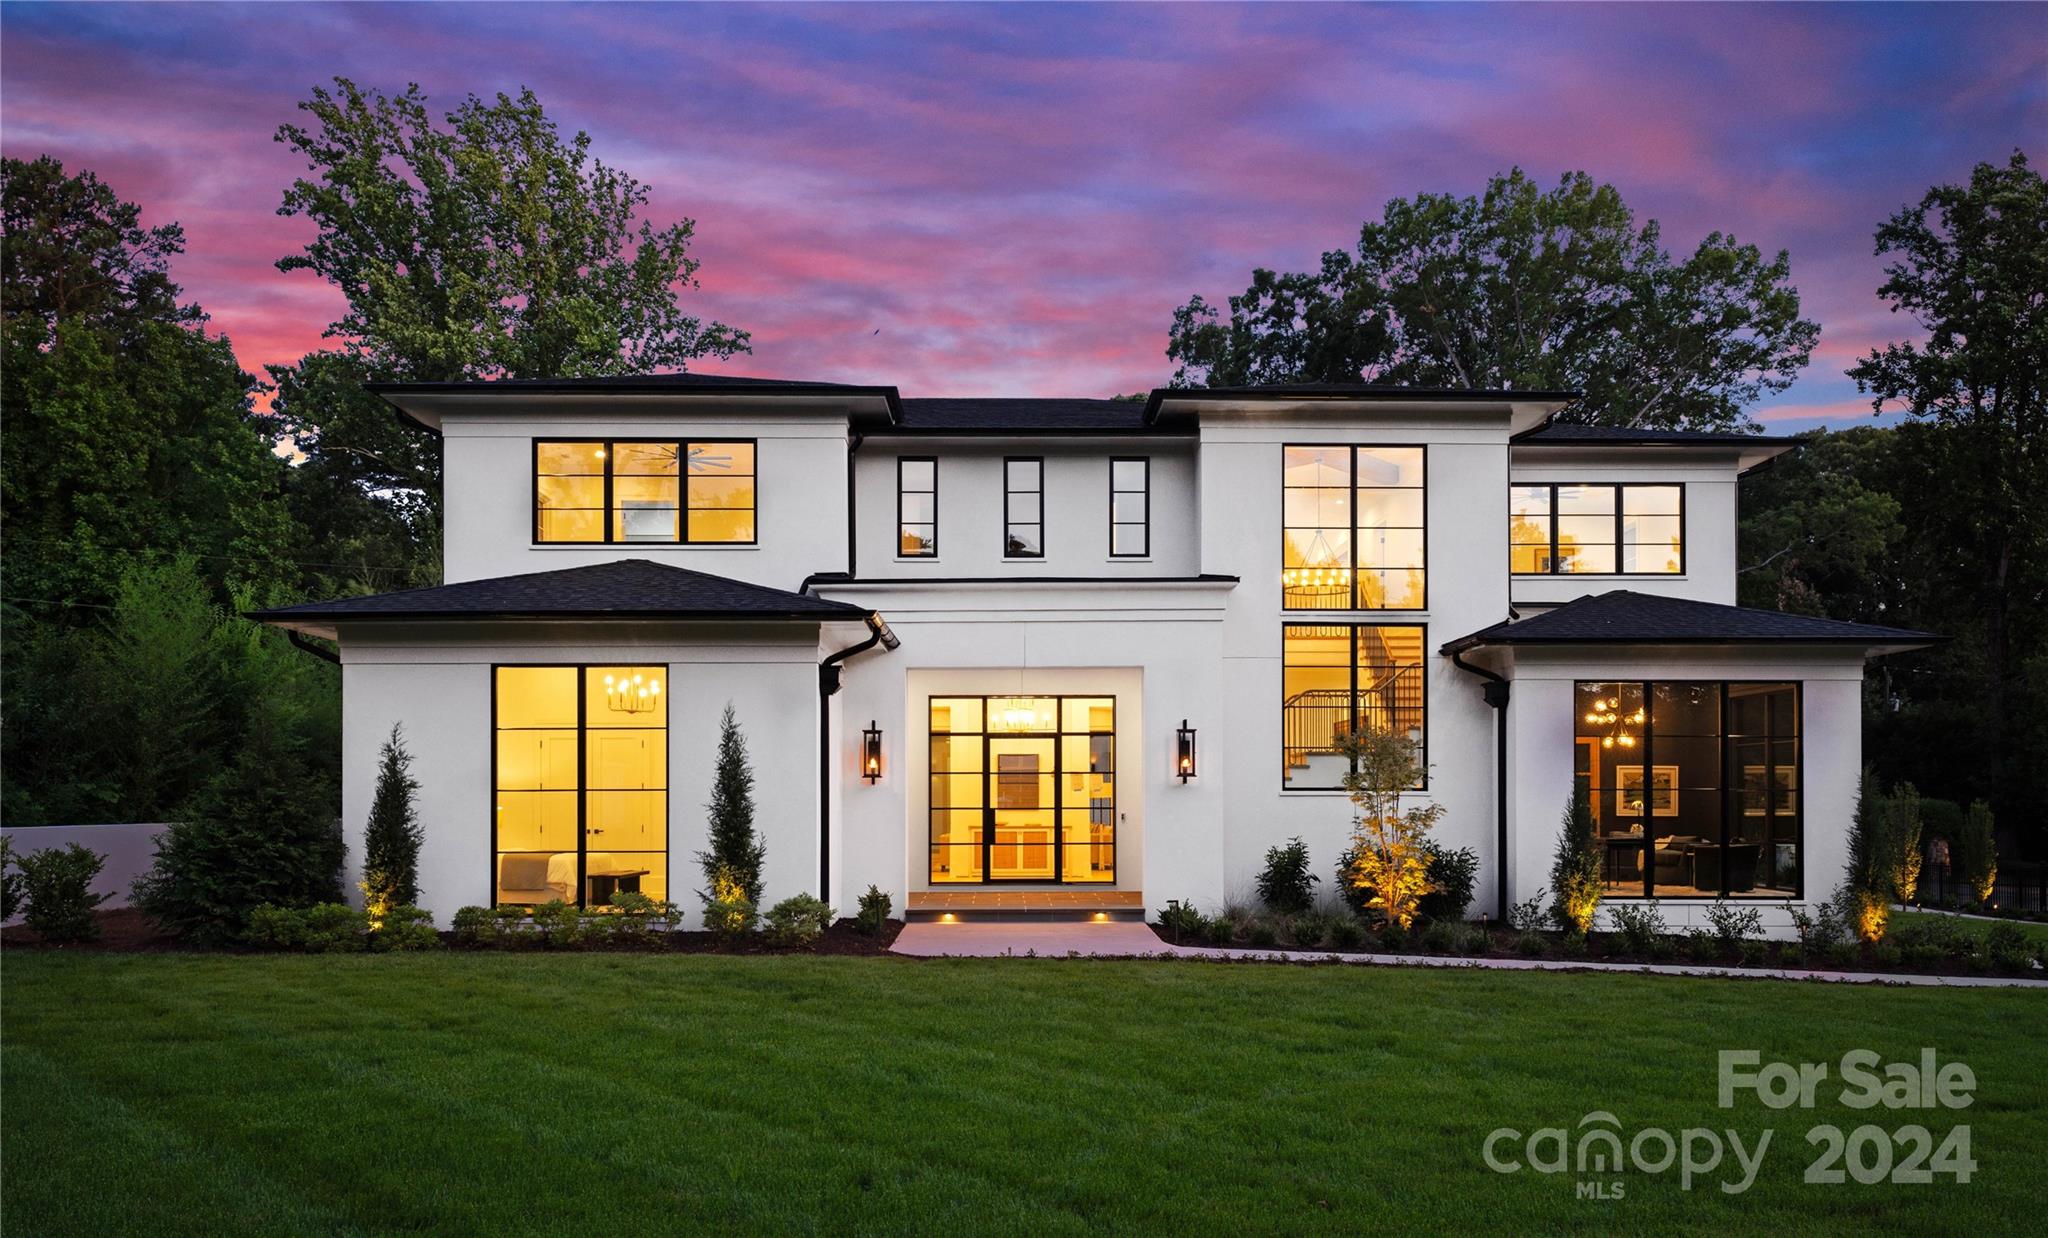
pixel 871 752
pixel 1184 751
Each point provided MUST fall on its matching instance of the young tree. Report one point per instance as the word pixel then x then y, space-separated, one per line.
pixel 1976 849
pixel 1390 862
pixel 1526 288
pixel 391 842
pixel 1902 841
pixel 1867 886
pixel 1575 872
pixel 734 860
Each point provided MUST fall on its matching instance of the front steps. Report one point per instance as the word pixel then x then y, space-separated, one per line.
pixel 983 905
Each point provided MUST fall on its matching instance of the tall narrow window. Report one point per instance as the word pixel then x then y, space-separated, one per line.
pixel 580 774
pixel 1130 508
pixel 1354 528
pixel 644 490
pixel 1596 529
pixel 1023 507
pixel 917 507
pixel 1342 679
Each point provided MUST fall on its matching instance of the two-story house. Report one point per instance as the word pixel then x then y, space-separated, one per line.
pixel 1086 654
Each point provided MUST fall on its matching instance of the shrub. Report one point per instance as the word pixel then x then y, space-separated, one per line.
pixel 391 841
pixel 1902 842
pixel 1934 939
pixel 1219 930
pixel 1573 946
pixel 1843 953
pixel 2009 948
pixel 406 928
pixel 1791 954
pixel 728 911
pixel 1640 927
pixel 1975 851
pixel 1391 937
pixel 333 928
pixel 1346 933
pixel 1819 925
pixel 1867 884
pixel 10 879
pixel 736 852
pixel 874 912
pixel 1453 874
pixel 1734 925
pixel 1440 937
pixel 257 833
pixel 1284 884
pixel 558 925
pixel 1308 929
pixel 1261 933
pixel 1180 921
pixel 1389 863
pixel 276 928
pixel 474 926
pixel 1702 946
pixel 57 892
pixel 797 922
pixel 1575 868
pixel 1532 945
pixel 1527 916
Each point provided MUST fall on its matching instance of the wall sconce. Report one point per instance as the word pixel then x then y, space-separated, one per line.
pixel 871 752
pixel 1184 751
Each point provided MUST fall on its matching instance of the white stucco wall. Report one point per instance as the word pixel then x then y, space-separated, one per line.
pixel 800 498
pixel 437 683
pixel 1542 731
pixel 1076 507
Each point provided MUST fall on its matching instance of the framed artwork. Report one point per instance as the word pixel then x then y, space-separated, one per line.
pixel 1782 792
pixel 1663 791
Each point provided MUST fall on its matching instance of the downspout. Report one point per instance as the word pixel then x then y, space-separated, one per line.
pixel 1496 689
pixel 828 685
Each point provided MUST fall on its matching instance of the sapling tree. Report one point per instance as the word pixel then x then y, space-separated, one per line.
pixel 732 864
pixel 1390 862
pixel 1575 872
pixel 1976 851
pixel 1866 895
pixel 1902 831
pixel 391 843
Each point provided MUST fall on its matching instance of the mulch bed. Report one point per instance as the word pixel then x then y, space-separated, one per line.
pixel 128 931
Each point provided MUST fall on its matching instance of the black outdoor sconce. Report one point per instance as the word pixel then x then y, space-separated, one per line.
pixel 1184 751
pixel 871 752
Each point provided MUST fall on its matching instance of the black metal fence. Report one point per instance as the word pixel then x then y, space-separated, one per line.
pixel 2021 885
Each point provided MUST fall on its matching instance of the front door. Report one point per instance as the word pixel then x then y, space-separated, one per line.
pixel 1023 789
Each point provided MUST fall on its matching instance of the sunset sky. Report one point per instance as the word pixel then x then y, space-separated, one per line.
pixel 979 200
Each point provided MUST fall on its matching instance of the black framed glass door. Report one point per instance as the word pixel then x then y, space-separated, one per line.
pixel 1023 789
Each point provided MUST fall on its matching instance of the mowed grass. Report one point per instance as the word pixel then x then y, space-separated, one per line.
pixel 2036 930
pixel 480 1093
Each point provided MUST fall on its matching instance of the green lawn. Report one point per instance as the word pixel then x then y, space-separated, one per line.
pixel 598 1094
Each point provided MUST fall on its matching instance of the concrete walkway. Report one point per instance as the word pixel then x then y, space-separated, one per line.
pixel 1122 939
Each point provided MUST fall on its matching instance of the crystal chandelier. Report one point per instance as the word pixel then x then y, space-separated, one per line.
pixel 631 694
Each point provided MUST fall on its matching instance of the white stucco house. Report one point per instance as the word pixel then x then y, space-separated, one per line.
pixel 1080 657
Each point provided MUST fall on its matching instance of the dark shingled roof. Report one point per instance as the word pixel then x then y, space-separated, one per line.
pixel 1626 617
pixel 1566 433
pixel 624 589
pixel 984 416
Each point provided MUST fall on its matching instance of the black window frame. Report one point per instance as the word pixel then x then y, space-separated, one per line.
pixel 1114 523
pixel 610 446
pixel 931 550
pixel 1620 514
pixel 1058 735
pixel 1008 522
pixel 1724 740
pixel 1351 668
pixel 1351 525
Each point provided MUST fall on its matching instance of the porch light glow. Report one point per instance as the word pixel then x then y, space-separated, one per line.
pixel 1184 751
pixel 631 694
pixel 871 752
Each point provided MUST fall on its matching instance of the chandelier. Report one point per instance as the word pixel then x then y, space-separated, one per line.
pixel 1322 571
pixel 1607 713
pixel 631 694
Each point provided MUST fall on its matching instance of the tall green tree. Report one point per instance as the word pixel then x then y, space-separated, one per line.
pixel 1820 530
pixel 1969 263
pixel 736 852
pixel 391 841
pixel 481 243
pixel 1519 287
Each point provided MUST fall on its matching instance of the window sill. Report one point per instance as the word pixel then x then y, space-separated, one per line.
pixel 1023 558
pixel 639 546
pixel 1519 576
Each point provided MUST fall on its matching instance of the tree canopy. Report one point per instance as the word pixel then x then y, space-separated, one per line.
pixel 1519 287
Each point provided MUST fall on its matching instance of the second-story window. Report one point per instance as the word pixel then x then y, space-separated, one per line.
pixel 1354 535
pixel 1023 507
pixel 689 492
pixel 1596 530
pixel 1130 508
pixel 917 507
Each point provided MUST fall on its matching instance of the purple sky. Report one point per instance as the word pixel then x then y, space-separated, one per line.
pixel 1017 197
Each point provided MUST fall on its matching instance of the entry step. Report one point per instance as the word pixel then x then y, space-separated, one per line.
pixel 1021 905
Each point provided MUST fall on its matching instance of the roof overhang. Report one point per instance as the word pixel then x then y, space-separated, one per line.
pixel 1749 454
pixel 427 404
pixel 1524 410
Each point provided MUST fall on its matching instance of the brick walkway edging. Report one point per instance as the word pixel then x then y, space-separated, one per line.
pixel 987 941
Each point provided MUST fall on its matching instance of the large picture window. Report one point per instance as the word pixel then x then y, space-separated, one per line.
pixel 698 492
pixel 1023 788
pixel 1354 535
pixel 1595 530
pixel 1341 679
pixel 579 772
pixel 1694 787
